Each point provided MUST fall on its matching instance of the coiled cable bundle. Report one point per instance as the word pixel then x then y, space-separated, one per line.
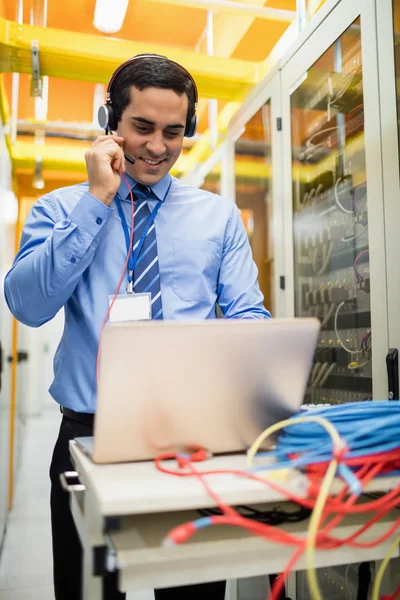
pixel 369 430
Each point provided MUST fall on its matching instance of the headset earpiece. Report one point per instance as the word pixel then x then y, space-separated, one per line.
pixel 191 127
pixel 106 116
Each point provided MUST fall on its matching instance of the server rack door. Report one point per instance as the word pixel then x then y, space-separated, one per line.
pixel 255 139
pixel 334 211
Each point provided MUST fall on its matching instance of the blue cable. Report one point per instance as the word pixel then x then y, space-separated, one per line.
pixel 203 522
pixel 366 428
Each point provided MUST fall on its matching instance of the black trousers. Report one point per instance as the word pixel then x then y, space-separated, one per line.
pixel 67 552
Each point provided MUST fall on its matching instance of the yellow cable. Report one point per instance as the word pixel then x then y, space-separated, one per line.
pixel 313 529
pixel 315 519
pixel 331 429
pixel 382 569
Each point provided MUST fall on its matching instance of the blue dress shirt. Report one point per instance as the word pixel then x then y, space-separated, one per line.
pixel 73 251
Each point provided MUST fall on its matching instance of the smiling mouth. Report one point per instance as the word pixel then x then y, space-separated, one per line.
pixel 152 163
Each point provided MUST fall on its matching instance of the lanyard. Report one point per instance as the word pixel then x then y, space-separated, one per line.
pixel 134 255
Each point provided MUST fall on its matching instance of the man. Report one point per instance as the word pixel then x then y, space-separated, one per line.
pixel 191 257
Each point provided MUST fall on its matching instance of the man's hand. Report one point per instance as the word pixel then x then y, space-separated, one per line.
pixel 105 162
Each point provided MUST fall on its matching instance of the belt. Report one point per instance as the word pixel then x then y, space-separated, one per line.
pixel 84 418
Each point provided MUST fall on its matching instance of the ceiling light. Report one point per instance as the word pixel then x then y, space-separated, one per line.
pixel 109 15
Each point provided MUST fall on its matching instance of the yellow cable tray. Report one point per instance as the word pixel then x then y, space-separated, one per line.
pixel 87 57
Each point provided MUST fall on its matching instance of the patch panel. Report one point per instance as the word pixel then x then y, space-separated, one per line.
pixel 333 396
pixel 332 283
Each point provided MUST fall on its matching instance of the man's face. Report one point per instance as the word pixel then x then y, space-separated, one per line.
pixel 153 125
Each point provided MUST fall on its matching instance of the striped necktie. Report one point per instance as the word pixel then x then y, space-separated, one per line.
pixel 146 276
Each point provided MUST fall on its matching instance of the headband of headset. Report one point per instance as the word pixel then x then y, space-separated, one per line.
pixel 106 113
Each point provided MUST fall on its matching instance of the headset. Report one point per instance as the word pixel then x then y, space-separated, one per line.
pixel 106 116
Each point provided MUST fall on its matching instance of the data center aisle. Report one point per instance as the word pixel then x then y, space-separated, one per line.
pixel 25 563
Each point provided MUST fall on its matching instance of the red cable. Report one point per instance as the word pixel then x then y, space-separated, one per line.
pixel 355 264
pixel 280 581
pixel 392 596
pixel 230 516
pixel 349 502
pixel 345 508
pixel 277 488
pixel 228 510
pixel 119 283
pixel 366 473
pixel 359 460
pixel 392 529
pixel 349 117
pixel 277 588
pixel 349 540
pixel 304 502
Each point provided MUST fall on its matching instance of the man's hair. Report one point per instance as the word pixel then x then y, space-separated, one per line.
pixel 148 72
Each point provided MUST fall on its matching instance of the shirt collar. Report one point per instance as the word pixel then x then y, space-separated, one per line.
pixel 159 189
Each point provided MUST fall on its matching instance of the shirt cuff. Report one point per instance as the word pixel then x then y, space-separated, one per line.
pixel 90 214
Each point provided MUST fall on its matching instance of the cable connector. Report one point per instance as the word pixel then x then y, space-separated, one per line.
pixel 352 481
pixel 198 456
pixel 340 449
pixel 179 535
pixel 182 460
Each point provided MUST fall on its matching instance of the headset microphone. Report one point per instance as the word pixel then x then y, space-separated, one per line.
pixel 129 159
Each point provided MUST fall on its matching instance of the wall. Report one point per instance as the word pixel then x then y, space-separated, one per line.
pixel 35 375
pixel 7 232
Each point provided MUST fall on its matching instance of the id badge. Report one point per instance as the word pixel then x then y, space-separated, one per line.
pixel 130 307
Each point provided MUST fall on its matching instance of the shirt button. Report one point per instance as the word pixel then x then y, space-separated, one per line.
pixel 99 221
pixel 73 259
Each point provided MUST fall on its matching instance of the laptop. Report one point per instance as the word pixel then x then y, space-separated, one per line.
pixel 170 386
